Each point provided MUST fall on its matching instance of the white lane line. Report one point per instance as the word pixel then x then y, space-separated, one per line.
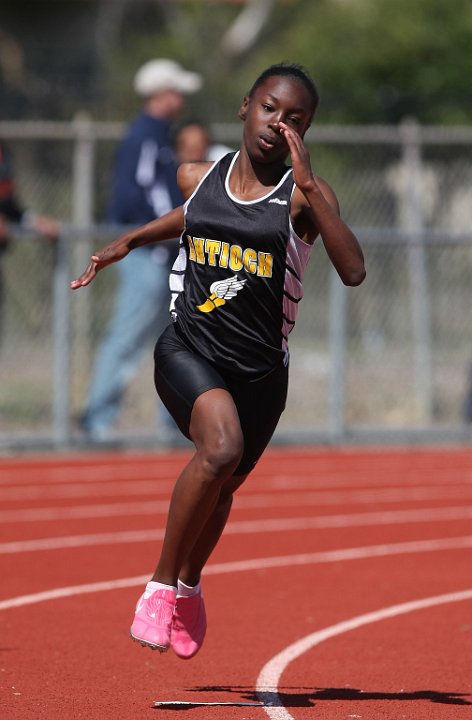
pixel 159 467
pixel 123 466
pixel 152 488
pixel 76 541
pixel 79 490
pixel 74 512
pixel 278 561
pixel 120 469
pixel 323 522
pixel 370 477
pixel 154 507
pixel 378 468
pixel 267 685
pixel 264 477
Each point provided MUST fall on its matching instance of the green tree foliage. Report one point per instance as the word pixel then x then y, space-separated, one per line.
pixel 382 60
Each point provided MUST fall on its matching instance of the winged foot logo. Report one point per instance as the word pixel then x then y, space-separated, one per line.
pixel 221 291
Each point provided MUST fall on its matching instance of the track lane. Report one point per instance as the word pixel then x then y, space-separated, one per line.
pixel 139 677
pixel 263 610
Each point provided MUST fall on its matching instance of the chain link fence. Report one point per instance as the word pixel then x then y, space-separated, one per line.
pixel 388 360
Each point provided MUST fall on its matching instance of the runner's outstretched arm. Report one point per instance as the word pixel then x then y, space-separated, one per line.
pixel 164 228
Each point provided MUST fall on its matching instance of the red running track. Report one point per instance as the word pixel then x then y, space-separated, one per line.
pixel 342 588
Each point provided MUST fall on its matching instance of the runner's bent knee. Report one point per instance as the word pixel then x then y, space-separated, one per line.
pixel 216 432
pixel 221 454
pixel 220 448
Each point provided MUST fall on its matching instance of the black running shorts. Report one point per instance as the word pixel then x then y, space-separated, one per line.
pixel 181 376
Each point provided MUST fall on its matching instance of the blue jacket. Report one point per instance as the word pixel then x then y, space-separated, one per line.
pixel 145 182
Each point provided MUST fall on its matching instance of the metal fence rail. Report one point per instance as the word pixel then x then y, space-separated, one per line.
pixel 388 360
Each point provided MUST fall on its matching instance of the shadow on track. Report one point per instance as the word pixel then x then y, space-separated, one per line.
pixel 308 697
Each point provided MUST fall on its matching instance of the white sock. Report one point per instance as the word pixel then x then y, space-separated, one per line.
pixel 152 586
pixel 184 590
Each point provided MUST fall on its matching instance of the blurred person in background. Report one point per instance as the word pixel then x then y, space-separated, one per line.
pixel 193 143
pixel 144 188
pixel 13 211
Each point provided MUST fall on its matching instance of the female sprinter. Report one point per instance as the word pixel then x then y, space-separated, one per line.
pixel 221 367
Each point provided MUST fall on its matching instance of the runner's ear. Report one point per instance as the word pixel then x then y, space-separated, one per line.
pixel 243 109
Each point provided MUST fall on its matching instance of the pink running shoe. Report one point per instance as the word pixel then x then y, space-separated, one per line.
pixel 188 626
pixel 153 620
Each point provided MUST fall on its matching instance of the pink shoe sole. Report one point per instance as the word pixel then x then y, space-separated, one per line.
pixel 145 643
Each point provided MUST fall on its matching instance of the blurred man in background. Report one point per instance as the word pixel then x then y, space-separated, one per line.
pixel 144 188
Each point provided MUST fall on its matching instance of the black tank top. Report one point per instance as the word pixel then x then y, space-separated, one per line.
pixel 237 280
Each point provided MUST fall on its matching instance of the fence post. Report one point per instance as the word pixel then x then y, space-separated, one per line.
pixel 412 221
pixel 82 194
pixel 61 339
pixel 337 343
pixel 82 215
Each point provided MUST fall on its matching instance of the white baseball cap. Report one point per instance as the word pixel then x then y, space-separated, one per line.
pixel 162 74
